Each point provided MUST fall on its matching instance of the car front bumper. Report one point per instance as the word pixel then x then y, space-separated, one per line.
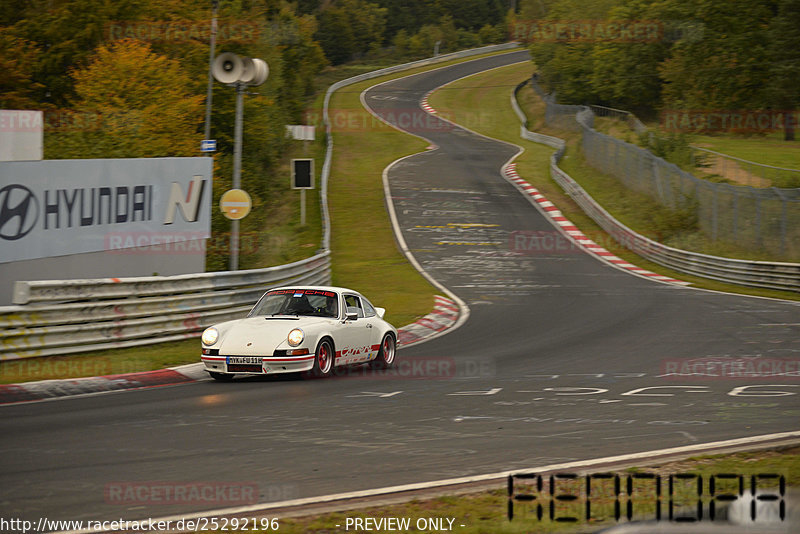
pixel 269 365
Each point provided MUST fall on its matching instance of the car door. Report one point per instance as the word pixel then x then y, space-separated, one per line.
pixel 355 337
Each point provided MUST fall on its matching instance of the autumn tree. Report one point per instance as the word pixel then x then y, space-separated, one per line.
pixel 17 58
pixel 142 102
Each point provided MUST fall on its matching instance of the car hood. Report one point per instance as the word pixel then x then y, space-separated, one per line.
pixel 261 335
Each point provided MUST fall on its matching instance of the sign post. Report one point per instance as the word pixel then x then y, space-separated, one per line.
pixel 302 179
pixel 238 72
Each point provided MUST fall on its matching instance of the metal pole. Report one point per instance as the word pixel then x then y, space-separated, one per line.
pixel 207 134
pixel 302 207
pixel 303 191
pixel 237 172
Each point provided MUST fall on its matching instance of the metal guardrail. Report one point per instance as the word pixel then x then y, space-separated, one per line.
pixel 68 316
pixel 629 118
pixel 771 275
pixel 52 317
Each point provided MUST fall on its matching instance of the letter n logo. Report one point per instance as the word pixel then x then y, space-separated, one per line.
pixel 188 204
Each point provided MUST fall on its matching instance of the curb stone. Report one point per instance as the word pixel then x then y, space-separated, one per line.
pixel 557 218
pixel 568 227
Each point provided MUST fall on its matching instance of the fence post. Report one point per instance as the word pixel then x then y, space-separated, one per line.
pixel 714 210
pixel 759 241
pixel 784 217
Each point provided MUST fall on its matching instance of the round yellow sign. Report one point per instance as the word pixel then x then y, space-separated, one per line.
pixel 235 204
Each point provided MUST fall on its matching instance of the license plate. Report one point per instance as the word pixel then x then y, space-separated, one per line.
pixel 255 360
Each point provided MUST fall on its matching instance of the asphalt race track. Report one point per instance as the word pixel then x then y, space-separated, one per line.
pixel 563 358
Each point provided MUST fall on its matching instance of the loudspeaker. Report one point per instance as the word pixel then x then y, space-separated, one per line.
pixel 228 68
pixel 261 71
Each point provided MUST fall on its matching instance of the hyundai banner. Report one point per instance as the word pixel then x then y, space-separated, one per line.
pixel 61 207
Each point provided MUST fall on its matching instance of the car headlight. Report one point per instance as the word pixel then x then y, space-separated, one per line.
pixel 210 336
pixel 295 337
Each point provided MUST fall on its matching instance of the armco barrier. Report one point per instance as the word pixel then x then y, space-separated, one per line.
pixel 52 317
pixel 68 316
pixel 771 275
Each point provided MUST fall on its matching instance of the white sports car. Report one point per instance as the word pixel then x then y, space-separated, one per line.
pixel 301 329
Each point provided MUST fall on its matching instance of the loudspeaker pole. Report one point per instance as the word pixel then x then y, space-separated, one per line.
pixel 237 170
pixel 239 73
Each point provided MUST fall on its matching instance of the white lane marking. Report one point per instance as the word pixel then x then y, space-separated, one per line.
pixel 492 391
pixel 690 389
pixel 375 394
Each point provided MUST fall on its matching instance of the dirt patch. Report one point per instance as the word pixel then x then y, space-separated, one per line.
pixel 732 171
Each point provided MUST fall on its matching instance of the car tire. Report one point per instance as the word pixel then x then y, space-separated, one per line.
pixel 386 354
pixel 222 377
pixel 324 358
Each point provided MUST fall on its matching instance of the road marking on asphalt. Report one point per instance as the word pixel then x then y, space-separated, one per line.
pixel 492 391
pixel 689 389
pixel 375 394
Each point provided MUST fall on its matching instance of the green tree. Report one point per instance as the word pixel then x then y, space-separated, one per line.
pixel 301 58
pixel 400 42
pixel 471 14
pixel 783 87
pixel 565 66
pixel 424 41
pixel 729 66
pixel 408 15
pixel 625 74
pixel 350 28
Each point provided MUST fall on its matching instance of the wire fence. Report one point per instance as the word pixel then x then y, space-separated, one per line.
pixel 759 219
pixel 731 168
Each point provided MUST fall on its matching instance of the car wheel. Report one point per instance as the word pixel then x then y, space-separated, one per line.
pixel 386 353
pixel 222 377
pixel 323 360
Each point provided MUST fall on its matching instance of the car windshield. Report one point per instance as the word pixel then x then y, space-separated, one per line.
pixel 308 302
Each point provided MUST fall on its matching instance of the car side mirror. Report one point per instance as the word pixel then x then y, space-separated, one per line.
pixel 351 314
pixel 381 312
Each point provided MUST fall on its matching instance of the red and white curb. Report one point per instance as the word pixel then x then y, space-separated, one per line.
pixel 444 315
pixel 75 387
pixel 555 215
pixel 425 105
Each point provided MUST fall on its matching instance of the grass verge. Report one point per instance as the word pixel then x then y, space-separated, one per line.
pixel 491 92
pixel 769 149
pixel 486 511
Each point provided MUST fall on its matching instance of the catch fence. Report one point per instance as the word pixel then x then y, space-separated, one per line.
pixel 759 219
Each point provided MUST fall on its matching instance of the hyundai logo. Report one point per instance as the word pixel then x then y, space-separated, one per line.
pixel 19 210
